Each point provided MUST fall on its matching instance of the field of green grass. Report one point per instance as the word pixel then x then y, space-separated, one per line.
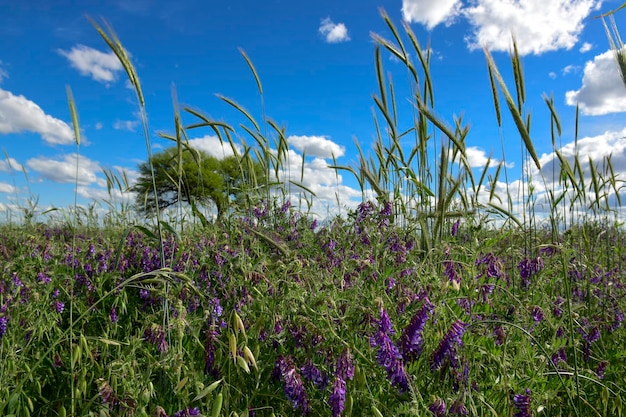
pixel 435 297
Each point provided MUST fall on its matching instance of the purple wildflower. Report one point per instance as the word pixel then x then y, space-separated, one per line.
pixel 601 368
pixel 537 314
pixel 4 321
pixel 484 291
pixel 209 352
pixel 455 227
pixel 384 324
pixel 500 334
pixel 59 307
pixel 106 392
pixel 522 404
pixel 527 268
pixel 548 250
pixel 364 210
pixel 494 265
pixel 411 342
pixel 43 278
pixel 618 319
pixel 466 304
pixel 388 355
pixel 156 336
pixel 387 210
pixel 188 412
pixel 314 224
pixel 312 373
pixel 438 407
pixel 16 280
pixel 337 398
pixel 113 315
pixel 292 384
pixel 559 356
pixel 345 366
pixel 447 346
pixel 458 408
pixel 450 271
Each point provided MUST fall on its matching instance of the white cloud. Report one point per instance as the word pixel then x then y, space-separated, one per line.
pixel 610 143
pixel 430 13
pixel 598 148
pixel 3 73
pixel 99 126
pixel 318 177
pixel 212 145
pixel 552 75
pixel 570 68
pixel 333 32
pixel 602 91
pixel 477 158
pixel 130 125
pixel 18 114
pixel 586 47
pixel 539 26
pixel 9 165
pixel 7 188
pixel 317 146
pixel 102 194
pixel 64 170
pixel 100 66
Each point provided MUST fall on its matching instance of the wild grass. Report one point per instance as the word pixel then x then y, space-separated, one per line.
pixel 436 297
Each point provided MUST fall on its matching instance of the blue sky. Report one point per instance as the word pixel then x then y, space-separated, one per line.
pixel 316 63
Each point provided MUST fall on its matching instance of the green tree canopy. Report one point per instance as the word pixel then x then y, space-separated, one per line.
pixel 195 177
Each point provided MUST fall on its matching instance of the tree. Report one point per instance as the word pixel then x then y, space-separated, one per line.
pixel 195 177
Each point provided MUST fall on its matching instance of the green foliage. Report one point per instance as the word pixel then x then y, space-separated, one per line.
pixel 194 177
pixel 515 321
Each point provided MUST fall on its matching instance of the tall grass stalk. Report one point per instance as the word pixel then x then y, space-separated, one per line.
pixel 70 340
pixel 110 38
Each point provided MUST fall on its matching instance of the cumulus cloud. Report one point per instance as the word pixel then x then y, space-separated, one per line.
pixel 317 146
pixel 333 32
pixel 477 158
pixel 585 47
pixel 570 68
pixel 602 91
pixel 102 67
pixel 318 177
pixel 610 143
pixel 599 148
pixel 63 170
pixel 212 145
pixel 18 114
pixel 10 165
pixel 430 13
pixel 539 26
pixel 7 188
pixel 130 125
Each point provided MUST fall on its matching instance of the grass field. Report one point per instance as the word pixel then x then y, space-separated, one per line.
pixel 434 297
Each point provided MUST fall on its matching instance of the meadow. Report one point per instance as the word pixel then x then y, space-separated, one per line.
pixel 433 297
